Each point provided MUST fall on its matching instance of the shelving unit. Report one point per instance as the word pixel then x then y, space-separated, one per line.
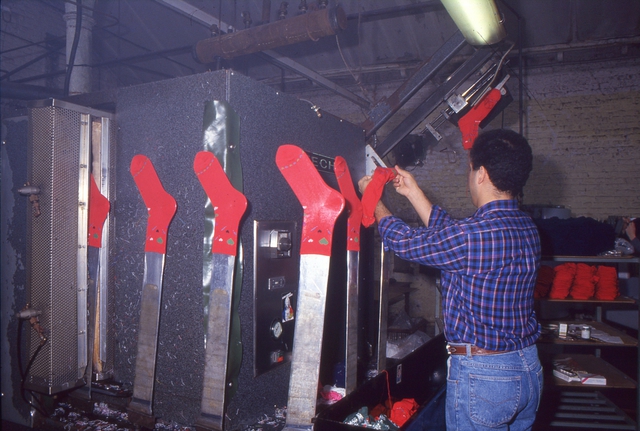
pixel 580 406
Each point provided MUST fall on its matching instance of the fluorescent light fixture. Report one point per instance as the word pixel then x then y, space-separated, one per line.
pixel 478 20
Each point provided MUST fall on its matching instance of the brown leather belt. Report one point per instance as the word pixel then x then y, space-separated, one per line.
pixel 461 349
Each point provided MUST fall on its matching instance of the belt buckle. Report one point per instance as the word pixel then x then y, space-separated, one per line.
pixel 451 349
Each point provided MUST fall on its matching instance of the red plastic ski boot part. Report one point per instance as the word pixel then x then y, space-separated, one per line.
pixel 98 210
pixel 470 122
pixel 228 203
pixel 160 204
pixel 373 193
pixel 321 204
pixel 354 206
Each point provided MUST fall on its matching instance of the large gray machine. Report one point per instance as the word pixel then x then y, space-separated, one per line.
pixel 165 122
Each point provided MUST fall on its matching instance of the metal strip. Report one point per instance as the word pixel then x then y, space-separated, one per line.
pixel 103 276
pixel 216 358
pixel 148 333
pixel 385 267
pixel 351 363
pixel 83 220
pixel 307 344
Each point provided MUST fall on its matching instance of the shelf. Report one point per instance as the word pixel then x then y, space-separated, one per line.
pixel 566 413
pixel 627 341
pixel 616 379
pixel 585 410
pixel 625 300
pixel 592 259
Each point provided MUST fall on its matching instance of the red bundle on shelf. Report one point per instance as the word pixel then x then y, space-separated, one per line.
pixel 563 280
pixel 584 283
pixel 607 286
pixel 544 281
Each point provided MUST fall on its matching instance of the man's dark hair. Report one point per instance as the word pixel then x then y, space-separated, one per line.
pixel 507 157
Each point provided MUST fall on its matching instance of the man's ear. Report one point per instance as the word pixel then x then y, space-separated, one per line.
pixel 482 175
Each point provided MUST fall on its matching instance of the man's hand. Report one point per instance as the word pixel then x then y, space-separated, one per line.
pixel 407 186
pixel 364 182
pixel 405 183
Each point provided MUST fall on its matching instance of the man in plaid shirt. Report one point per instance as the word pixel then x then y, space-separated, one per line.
pixel 488 264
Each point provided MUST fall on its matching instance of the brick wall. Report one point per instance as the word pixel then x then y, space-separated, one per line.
pixel 584 125
pixel 583 122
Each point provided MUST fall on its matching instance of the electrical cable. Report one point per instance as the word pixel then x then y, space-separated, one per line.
pixel 364 91
pixel 24 372
pixel 74 47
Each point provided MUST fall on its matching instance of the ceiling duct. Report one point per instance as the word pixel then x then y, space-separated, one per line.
pixel 308 26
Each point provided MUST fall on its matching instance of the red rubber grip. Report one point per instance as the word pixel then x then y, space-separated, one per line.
pixel 321 204
pixel 354 206
pixel 160 204
pixel 228 203
pixel 98 211
pixel 470 122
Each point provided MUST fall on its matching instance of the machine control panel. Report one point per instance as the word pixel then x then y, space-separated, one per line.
pixel 280 243
pixel 276 273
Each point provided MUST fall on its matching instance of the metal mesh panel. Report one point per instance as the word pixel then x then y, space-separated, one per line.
pixel 53 246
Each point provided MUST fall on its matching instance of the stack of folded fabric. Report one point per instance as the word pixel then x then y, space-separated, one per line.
pixel 544 281
pixel 607 287
pixel 584 283
pixel 577 281
pixel 562 280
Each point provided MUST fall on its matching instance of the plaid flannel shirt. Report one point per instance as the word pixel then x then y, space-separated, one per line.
pixel 489 264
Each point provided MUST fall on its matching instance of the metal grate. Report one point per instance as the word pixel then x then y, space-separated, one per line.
pixel 53 245
pixel 59 153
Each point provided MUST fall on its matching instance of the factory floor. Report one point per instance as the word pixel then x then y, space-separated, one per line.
pixel 103 418
pixel 109 413
pixel 72 414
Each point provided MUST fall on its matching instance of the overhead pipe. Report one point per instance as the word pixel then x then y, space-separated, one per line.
pixel 80 46
pixel 309 26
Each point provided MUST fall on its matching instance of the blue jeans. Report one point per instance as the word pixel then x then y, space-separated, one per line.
pixel 492 392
